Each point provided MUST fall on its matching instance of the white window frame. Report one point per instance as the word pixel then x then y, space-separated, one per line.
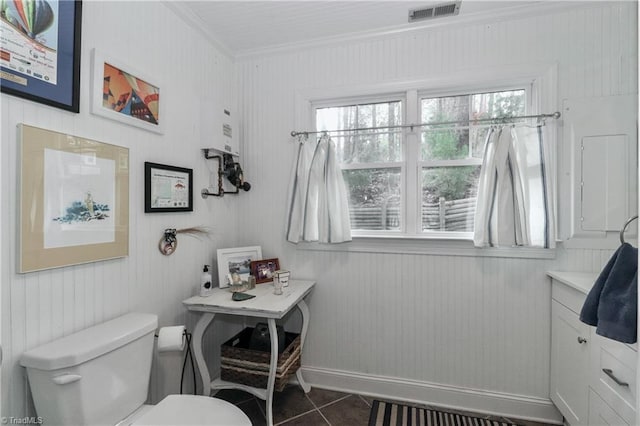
pixel 385 97
pixel 542 79
pixel 527 86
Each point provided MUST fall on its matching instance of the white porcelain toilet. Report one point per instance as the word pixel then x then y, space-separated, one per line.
pixel 100 376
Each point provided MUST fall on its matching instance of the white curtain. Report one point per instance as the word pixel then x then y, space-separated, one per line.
pixel 514 206
pixel 318 202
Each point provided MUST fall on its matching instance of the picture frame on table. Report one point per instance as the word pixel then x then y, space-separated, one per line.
pixel 40 52
pixel 167 188
pixel 73 200
pixel 264 269
pixel 236 260
pixel 122 93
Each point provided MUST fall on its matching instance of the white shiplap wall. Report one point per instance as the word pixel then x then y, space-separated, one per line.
pixel 477 325
pixel 41 306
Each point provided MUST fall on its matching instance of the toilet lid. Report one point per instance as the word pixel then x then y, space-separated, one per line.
pixel 193 410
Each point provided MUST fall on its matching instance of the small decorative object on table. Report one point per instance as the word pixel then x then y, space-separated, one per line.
pixel 282 277
pixel 236 284
pixel 206 286
pixel 239 297
pixel 236 260
pixel 264 269
pixel 251 281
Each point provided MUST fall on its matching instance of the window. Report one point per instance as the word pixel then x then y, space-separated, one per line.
pixel 419 181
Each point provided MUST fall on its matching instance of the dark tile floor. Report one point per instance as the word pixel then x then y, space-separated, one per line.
pixel 320 407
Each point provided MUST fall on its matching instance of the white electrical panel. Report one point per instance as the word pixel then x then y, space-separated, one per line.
pixel 600 168
pixel 219 129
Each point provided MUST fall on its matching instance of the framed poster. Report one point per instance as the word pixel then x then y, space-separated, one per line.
pixel 40 51
pixel 167 188
pixel 123 94
pixel 74 200
pixel 236 260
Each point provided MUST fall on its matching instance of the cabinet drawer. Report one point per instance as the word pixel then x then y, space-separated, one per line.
pixel 613 369
pixel 601 414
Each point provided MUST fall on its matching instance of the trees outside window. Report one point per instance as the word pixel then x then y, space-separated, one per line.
pixel 387 177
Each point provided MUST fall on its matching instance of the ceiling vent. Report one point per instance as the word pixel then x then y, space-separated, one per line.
pixel 437 11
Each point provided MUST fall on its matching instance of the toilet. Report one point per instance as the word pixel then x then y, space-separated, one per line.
pixel 100 376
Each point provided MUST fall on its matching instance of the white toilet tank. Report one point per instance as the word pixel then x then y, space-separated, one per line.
pixel 97 376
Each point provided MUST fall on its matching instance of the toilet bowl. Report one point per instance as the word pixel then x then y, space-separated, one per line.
pixel 100 376
pixel 187 410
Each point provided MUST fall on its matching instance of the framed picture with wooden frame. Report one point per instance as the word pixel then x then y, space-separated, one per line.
pixel 264 270
pixel 73 200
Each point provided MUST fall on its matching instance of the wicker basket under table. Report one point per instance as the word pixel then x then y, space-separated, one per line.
pixel 250 367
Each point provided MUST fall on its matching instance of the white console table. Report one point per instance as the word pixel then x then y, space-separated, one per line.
pixel 265 305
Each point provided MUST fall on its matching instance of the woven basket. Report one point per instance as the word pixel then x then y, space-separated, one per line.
pixel 251 367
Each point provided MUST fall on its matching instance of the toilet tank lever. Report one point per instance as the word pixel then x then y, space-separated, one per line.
pixel 65 379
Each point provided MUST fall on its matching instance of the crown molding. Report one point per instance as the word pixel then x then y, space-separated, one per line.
pixel 528 10
pixel 182 10
pixel 187 15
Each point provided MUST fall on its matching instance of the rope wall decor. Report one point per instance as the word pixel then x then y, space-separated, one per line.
pixel 168 243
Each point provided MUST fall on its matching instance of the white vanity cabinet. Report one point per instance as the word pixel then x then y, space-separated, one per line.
pixel 570 350
pixel 593 379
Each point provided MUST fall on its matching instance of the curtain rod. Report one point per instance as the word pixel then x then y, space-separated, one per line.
pixel 554 115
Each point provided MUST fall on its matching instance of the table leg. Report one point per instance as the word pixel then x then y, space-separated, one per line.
pixel 198 334
pixel 273 366
pixel 304 310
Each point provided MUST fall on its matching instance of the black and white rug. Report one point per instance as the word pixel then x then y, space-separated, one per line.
pixel 392 414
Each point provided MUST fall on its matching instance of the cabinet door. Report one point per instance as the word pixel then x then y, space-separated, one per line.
pixel 569 364
pixel 599 167
pixel 601 414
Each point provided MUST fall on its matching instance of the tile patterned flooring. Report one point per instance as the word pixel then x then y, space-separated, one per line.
pixel 320 407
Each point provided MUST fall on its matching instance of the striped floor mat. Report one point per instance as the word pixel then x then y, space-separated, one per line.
pixel 390 414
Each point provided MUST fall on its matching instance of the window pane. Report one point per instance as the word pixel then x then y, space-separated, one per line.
pixel 366 146
pixel 497 104
pixel 369 148
pixel 374 198
pixel 449 198
pixel 450 108
pixel 445 144
pixel 477 140
pixel 465 139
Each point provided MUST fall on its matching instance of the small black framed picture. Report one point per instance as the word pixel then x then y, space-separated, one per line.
pixel 167 188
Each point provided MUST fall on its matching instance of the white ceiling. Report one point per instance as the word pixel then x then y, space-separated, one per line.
pixel 245 26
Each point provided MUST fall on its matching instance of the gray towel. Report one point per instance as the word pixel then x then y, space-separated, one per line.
pixel 612 303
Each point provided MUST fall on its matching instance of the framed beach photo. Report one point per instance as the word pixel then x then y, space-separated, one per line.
pixel 40 51
pixel 121 93
pixel 264 269
pixel 167 188
pixel 73 200
pixel 236 260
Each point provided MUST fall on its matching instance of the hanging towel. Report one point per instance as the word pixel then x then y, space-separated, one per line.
pixel 612 304
pixel 318 205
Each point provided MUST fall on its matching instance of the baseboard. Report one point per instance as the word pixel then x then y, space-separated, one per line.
pixel 500 404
